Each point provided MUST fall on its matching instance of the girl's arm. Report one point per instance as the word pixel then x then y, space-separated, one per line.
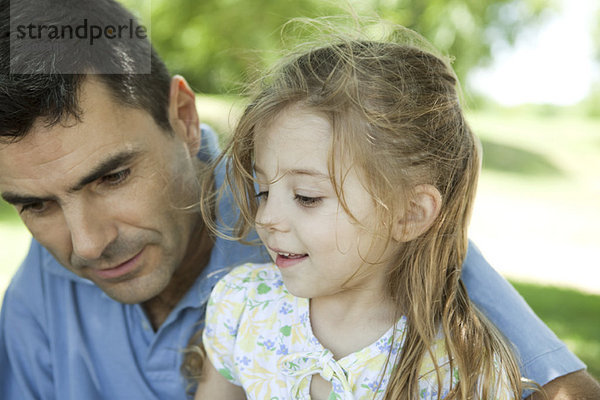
pixel 214 386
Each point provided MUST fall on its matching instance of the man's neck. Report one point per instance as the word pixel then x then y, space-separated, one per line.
pixel 197 255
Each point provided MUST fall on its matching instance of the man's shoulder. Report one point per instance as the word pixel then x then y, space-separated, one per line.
pixel 40 269
pixel 210 148
pixel 39 291
pixel 543 356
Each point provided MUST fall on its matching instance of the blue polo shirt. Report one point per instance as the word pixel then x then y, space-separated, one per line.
pixel 542 355
pixel 62 338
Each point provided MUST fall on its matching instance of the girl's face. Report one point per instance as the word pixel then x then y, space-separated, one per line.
pixel 317 246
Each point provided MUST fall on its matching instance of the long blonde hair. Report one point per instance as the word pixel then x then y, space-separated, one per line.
pixel 395 110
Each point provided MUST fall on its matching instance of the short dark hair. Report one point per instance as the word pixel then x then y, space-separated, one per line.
pixel 38 89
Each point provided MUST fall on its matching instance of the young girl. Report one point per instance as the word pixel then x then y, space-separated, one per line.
pixel 366 172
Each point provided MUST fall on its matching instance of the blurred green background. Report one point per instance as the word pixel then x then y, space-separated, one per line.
pixel 537 214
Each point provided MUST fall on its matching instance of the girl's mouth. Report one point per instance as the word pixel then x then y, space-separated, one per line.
pixel 286 260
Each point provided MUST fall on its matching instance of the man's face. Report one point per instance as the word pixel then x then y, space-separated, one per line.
pixel 107 195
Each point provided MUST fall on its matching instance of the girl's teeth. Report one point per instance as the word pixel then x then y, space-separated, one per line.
pixel 291 255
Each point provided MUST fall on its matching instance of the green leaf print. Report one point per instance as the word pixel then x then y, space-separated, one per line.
pixel 333 396
pixel 286 330
pixel 226 373
pixel 263 288
pixel 252 304
pixel 292 366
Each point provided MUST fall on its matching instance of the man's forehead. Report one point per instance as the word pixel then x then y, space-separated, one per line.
pixel 37 181
pixel 101 123
pixel 40 138
pixel 44 146
pixel 59 154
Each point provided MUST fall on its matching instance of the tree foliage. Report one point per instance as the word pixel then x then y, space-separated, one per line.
pixel 215 43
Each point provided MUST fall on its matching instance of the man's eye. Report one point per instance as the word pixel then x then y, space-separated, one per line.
pixel 36 208
pixel 116 178
pixel 306 201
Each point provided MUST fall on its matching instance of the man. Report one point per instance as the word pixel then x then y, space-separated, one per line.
pixel 104 168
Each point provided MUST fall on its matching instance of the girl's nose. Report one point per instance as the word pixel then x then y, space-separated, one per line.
pixel 271 214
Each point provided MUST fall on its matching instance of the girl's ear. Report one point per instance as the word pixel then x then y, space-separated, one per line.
pixel 417 218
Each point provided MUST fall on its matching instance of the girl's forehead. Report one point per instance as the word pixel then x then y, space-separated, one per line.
pixel 295 128
pixel 298 137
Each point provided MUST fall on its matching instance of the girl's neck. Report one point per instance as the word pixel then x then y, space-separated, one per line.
pixel 350 321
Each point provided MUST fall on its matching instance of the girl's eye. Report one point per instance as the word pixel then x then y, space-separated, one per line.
pixel 306 201
pixel 116 178
pixel 262 195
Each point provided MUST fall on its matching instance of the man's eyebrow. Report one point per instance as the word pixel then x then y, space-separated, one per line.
pixel 105 167
pixel 16 199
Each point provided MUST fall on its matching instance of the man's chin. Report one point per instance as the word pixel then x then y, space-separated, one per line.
pixel 131 292
pixel 128 298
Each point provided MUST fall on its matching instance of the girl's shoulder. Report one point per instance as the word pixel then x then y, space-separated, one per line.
pixel 251 280
pixel 251 275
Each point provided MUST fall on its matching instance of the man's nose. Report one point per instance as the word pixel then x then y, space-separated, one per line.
pixel 91 229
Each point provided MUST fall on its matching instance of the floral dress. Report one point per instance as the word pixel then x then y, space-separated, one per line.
pixel 258 336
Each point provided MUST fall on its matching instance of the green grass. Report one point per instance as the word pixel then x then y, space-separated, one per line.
pixel 559 147
pixel 8 214
pixel 511 159
pixel 572 315
pixel 14 239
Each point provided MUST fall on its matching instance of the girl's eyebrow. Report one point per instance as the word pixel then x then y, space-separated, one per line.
pixel 298 171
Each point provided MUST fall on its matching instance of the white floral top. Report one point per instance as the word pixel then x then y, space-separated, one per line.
pixel 258 336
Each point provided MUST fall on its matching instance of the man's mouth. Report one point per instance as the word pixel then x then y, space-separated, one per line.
pixel 120 270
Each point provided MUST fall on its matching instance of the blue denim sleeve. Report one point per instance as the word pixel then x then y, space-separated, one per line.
pixel 209 145
pixel 25 366
pixel 543 356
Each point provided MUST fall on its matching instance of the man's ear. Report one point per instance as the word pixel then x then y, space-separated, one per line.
pixel 417 218
pixel 183 115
